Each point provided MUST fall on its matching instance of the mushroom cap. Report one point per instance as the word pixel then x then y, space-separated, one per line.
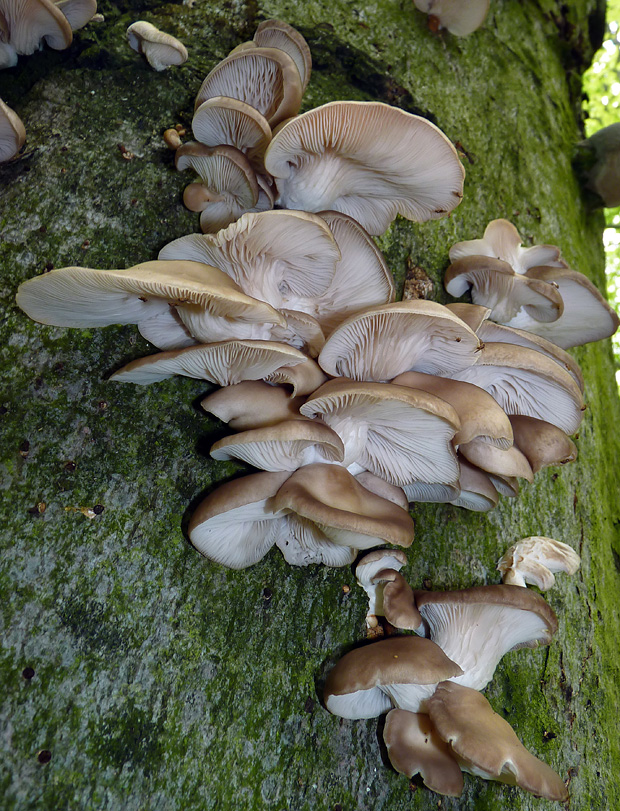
pixel 353 686
pixel 398 604
pixel 409 166
pixel 494 284
pixel 431 492
pixel 275 256
pixel 222 362
pixel 160 49
pixel 474 315
pixel 587 316
pixel 12 133
pixel 302 543
pixel 476 490
pixel 498 461
pixel 458 17
pixel 345 511
pixel 526 382
pixel 541 443
pixel 414 747
pixel 77 12
pixel 303 378
pixel 382 342
pixel 285 446
pixel 235 525
pixel 302 331
pixel 252 404
pixel 535 559
pixel 265 78
pixel 488 332
pixel 502 241
pixel 397 433
pixel 30 21
pixel 278 34
pixel 477 626
pixel 480 415
pixel 220 120
pixel 84 297
pixel 380 487
pixel 486 745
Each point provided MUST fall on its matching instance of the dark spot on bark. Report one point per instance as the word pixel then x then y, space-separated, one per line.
pixel 70 466
pixel 28 673
pixel 24 448
pixel 267 595
pixel 44 756
pixel 98 509
pixel 309 705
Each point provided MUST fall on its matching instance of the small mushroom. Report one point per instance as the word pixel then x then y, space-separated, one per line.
pixel 458 17
pixel 252 404
pixel 12 133
pixel 368 567
pixel 535 560
pixel 160 49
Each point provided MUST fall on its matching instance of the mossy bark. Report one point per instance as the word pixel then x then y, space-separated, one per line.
pixel 163 681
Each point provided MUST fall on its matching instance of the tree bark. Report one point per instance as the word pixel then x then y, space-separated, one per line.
pixel 164 681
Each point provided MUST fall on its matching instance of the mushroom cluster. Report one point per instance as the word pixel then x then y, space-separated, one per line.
pixel 438 724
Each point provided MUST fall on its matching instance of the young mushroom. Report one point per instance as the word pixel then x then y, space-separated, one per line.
pixel 459 17
pixel 12 133
pixel 535 560
pixel 160 49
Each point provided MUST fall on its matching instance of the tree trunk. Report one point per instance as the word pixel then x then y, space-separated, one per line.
pixel 164 681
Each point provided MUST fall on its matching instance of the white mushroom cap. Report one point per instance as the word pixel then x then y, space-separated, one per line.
pixel 477 626
pixel 77 12
pixel 160 49
pixel 414 747
pixel 459 17
pixel 265 78
pixel 368 160
pixel 494 284
pixel 587 316
pixel 431 492
pixel 284 446
pixel 486 745
pixel 275 256
pixel 12 133
pixel 524 381
pixel 476 490
pixel 303 378
pixel 480 415
pixel 221 120
pixel 535 559
pixel 502 241
pixel 397 433
pixel 31 21
pixel 366 570
pixel 236 524
pixel 302 543
pixel 365 679
pixel 252 404
pixel 347 513
pixel 223 362
pixel 277 34
pixel 382 342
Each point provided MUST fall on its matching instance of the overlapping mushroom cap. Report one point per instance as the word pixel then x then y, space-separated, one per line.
pixel 535 560
pixel 12 132
pixel 27 24
pixel 368 160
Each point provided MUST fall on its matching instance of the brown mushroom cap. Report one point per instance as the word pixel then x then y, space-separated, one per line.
pixel 252 404
pixel 486 745
pixel 160 49
pixel 477 626
pixel 541 443
pixel 414 747
pixel 474 315
pixel 498 461
pixel 344 511
pixel 382 342
pixel 354 686
pixel 398 603
pixel 409 166
pixel 278 34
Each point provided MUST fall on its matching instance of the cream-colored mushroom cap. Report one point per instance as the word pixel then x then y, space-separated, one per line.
pixel 252 404
pixel 77 12
pixel 197 293
pixel 476 491
pixel 502 241
pixel 8 54
pixel 160 49
pixel 524 381
pixel 486 745
pixel 274 256
pixel 368 160
pixel 284 446
pixel 236 524
pixel 587 316
pixel 480 415
pixel 303 378
pixel 500 333
pixel 222 362
pixel 499 461
pixel 265 78
pixel 346 512
pixel 541 443
pixel 474 315
pixel 384 341
pixel 494 284
pixel 397 433
pixel 398 604
pixel 371 564
pixel 414 747
pixel 357 686
pixel 302 543
pixel 535 560
pixel 459 17
pixel 221 120
pixel 12 133
pixel 380 487
pixel 477 626
pixel 277 34
pixel 31 21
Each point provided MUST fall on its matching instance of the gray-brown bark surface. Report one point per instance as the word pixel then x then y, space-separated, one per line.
pixel 164 681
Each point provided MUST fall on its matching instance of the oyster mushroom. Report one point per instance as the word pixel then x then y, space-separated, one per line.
pixel 12 133
pixel 535 560
pixel 160 49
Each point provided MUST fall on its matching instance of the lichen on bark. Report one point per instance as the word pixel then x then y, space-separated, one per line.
pixel 163 681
